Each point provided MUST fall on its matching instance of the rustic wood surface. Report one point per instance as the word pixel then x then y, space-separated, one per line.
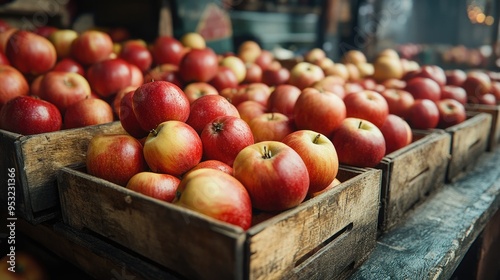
pixel 494 112
pixel 433 239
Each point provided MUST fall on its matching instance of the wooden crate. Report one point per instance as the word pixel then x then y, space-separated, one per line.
pixel 411 173
pixel 36 159
pixel 494 111
pixel 469 140
pixel 327 236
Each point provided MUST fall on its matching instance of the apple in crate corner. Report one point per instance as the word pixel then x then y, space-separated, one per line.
pixel 423 114
pixel 28 115
pixel 63 89
pixel 115 157
pixel 271 127
pixel 12 84
pixel 397 133
pixel 319 155
pixel 368 105
pixel 91 46
pixel 156 185
pixel 86 112
pixel 359 143
pixel 216 194
pixel 173 148
pixel 451 112
pixel 206 108
pixel 224 137
pixel 274 174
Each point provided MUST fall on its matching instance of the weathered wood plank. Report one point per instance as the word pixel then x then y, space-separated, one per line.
pixel 494 112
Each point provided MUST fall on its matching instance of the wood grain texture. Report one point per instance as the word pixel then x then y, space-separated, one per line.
pixel 494 112
pixel 433 239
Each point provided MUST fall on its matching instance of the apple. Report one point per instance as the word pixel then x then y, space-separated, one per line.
pixel 167 49
pixel 282 99
pixel 334 183
pixel 4 25
pixel 423 114
pixel 250 109
pixel 354 73
pixel 477 83
pixel 350 87
pixel 91 46
pixel 156 185
pixel 259 92
pixel 109 76
pixel 397 133
pixel 332 84
pixel 387 67
pixel 359 143
pixel 274 174
pixel 213 164
pixel 368 105
pixel 115 157
pixel 137 53
pixel 304 74
pixel 86 112
pixel 127 117
pixel 248 51
pixel 69 65
pixel 206 108
pixel 173 148
pixel 394 84
pixel 237 66
pixel 159 101
pixel 216 194
pixel 455 77
pixel 264 59
pixel 198 65
pixel 399 101
pixel 35 86
pixel 433 72
pixel 495 89
pixel 338 70
pixel 319 156
pixel 423 88
pixel 454 92
pixel 30 53
pixel 12 84
pixel 25 263
pixel 117 98
pixel 325 63
pixel 253 73
pixel 275 74
pixel 193 40
pixel 196 90
pixel 314 55
pixel 3 59
pixel 486 99
pixel 136 76
pixel 62 40
pixel 63 88
pixel 224 137
pixel 224 78
pixel 320 111
pixel 451 112
pixel 4 38
pixel 164 72
pixel 353 56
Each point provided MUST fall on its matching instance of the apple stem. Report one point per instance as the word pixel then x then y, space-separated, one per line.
pixel 359 126
pixel 154 132
pixel 267 153
pixel 315 141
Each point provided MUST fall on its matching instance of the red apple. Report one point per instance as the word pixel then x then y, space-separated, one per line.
pixel 86 112
pixel 127 117
pixel 333 84
pixel 115 157
pixel 224 137
pixel 253 73
pixel 394 84
pixel 164 72
pixel 264 59
pixel 136 52
pixel 477 83
pixel 433 72
pixel 256 91
pixel 12 84
pixel 62 40
pixel 30 53
pixel 486 99
pixel 359 143
pixel 250 109
pixel 69 65
pixel 423 114
pixel 45 30
pixel 3 59
pixel 248 51
pixel 224 78
pixel 397 133
pixel 173 148
pixel 271 127
pixel 167 49
pixel 198 65
pixel 35 86
pixel 213 164
pixel 136 75
pixel 156 185
pixel 424 88
pixel 196 90
pixel 305 74
pixel 274 174
pixel 117 98
pixel 399 101
pixel 455 77
pixel 368 105
pixel 275 75
pixel 352 88
pixel 216 194
pixel 319 156
pixel 206 108
pixel 282 99
pixel 451 112
pixel 109 76
pixel 159 101
pixel 454 92
pixel 63 88
pixel 91 46
pixel 322 112
pixel 4 38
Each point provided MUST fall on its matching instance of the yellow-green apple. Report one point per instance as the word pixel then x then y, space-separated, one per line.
pixel 314 55
pixel 236 65
pixel 224 78
pixel 423 88
pixel 359 143
pixel 86 112
pixel 250 109
pixel 321 111
pixel 30 53
pixel 433 72
pixel 282 99
pixel 198 65
pixel 319 156
pixel 248 51
pixel 159 101
pixel 477 83
pixel 157 185
pixel 368 105
pixel 264 59
pixel 69 65
pixel 423 114
pixel 63 88
pixel 399 101
pixel 275 74
pixel 137 53
pixel 333 84
pixel 274 174
pixel 325 63
pixel 216 194
pixel 388 52
pixel 127 117
pixel 91 46
pixel 451 112
pixel 109 76
pixel 224 137
pixel 115 157
pixel 196 90
pixel 214 164
pixel 271 127
pixel 454 92
pixel 354 73
pixel 339 70
pixel 164 72
pixel 173 148
pixel 22 265
pixel 387 67
pixel 206 108
pixel 455 77
pixel 167 49
pixel 353 56
pixel 12 84
pixel 253 73
pixel 397 133
pixel 62 40
pixel 259 92
pixel 28 115
pixel 304 74
pixel 332 185
pixel 193 40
